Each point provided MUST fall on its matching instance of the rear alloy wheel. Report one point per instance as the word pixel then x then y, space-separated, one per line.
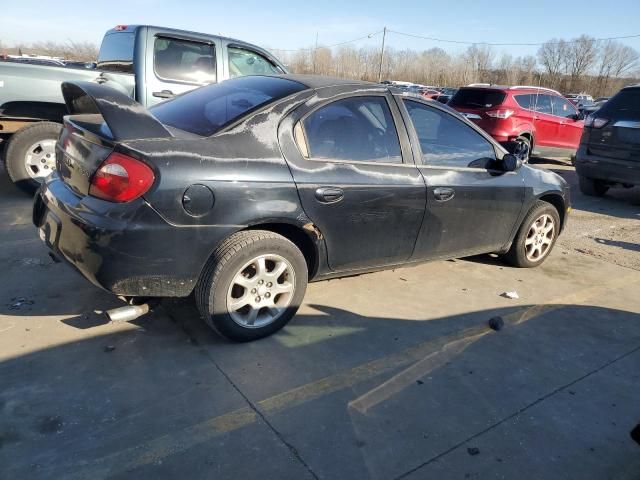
pixel 252 285
pixel 522 148
pixel 592 187
pixel 30 155
pixel 536 236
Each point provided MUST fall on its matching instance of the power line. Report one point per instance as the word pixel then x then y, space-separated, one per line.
pixel 370 35
pixel 505 44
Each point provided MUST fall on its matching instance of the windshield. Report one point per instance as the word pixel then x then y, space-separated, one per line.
pixel 206 110
pixel 477 98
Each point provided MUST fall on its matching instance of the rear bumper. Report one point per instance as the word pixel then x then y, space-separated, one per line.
pixel 607 169
pixel 126 249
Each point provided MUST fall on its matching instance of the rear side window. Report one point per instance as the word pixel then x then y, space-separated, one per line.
pixel 446 141
pixel 116 52
pixel 525 100
pixel 477 98
pixel 206 110
pixel 184 60
pixel 353 129
pixel 624 105
pixel 248 62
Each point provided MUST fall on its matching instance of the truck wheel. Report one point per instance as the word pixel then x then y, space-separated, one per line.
pixel 536 236
pixel 252 285
pixel 522 148
pixel 592 187
pixel 30 155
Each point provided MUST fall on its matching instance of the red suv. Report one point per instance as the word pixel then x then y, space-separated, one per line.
pixel 525 120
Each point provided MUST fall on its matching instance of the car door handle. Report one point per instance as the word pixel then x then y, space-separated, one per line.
pixel 329 194
pixel 443 194
pixel 163 94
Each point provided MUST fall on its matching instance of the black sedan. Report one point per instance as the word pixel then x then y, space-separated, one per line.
pixel 244 191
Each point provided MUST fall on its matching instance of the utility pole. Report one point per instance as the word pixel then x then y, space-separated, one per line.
pixel 384 35
pixel 315 52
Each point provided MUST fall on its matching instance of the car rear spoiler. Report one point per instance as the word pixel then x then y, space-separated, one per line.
pixel 126 118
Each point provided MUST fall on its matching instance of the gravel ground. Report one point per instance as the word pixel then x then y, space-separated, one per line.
pixel 607 228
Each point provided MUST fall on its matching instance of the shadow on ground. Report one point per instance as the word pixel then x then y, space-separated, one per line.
pixel 354 397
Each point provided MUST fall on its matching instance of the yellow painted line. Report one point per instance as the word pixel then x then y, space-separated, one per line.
pixel 422 356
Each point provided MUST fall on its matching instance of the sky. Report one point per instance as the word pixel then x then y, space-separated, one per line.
pixel 290 24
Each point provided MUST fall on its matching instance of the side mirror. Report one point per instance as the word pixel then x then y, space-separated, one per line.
pixel 511 163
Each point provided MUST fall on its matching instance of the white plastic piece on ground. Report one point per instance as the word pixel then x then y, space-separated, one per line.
pixel 512 295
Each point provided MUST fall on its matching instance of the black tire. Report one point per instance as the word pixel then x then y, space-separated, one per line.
pixel 16 151
pixel 227 260
pixel 522 148
pixel 517 254
pixel 592 187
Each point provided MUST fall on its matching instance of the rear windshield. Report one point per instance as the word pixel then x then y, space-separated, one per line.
pixel 479 98
pixel 116 52
pixel 624 105
pixel 206 110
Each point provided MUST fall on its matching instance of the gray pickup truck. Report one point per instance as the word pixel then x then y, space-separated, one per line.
pixel 149 64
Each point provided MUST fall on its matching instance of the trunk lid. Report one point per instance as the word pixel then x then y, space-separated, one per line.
pixel 80 151
pixel 102 118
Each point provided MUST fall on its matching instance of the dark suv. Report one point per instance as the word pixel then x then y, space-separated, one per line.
pixel 609 152
pixel 525 120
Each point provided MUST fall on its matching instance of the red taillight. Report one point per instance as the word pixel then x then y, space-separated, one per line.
pixel 500 113
pixel 595 122
pixel 121 178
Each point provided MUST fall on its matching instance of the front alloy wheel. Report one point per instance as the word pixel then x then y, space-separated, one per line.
pixel 536 236
pixel 539 238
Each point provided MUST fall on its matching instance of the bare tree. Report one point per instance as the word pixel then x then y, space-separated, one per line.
pixel 481 59
pixel 553 56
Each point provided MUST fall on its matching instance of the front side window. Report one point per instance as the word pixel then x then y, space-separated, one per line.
pixel 447 141
pixel 184 60
pixel 353 129
pixel 247 62
pixel 562 108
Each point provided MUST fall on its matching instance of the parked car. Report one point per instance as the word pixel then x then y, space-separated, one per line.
pixel 149 64
pixel 442 98
pixel 575 98
pixel 609 153
pixel 525 120
pixel 244 191
pixel 429 93
pixel 36 61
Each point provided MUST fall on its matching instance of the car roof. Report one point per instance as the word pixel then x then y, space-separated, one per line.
pixel 320 81
pixel 514 88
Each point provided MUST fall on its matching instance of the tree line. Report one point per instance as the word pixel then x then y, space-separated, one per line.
pixel 583 64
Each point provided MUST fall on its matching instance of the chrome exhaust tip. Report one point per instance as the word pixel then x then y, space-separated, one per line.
pixel 128 313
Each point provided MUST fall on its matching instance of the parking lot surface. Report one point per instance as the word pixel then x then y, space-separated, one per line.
pixel 385 376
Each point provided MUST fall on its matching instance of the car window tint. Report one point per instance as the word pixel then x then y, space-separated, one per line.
pixel 562 107
pixel 116 52
pixel 184 60
pixel 525 100
pixel 247 62
pixel 624 105
pixel 477 98
pixel 446 140
pixel 206 110
pixel 543 104
pixel 353 129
